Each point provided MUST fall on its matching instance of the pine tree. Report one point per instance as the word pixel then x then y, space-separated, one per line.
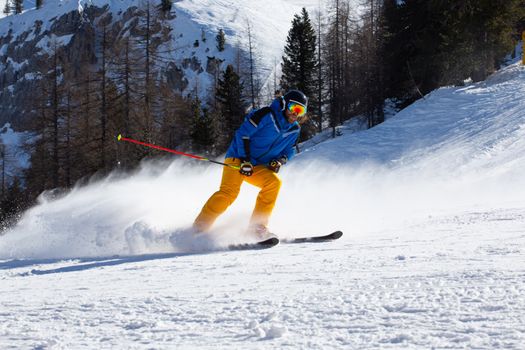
pixel 203 131
pixel 319 84
pixel 370 38
pixel 221 40
pixel 166 5
pixel 253 82
pixel 105 45
pixel 7 8
pixel 19 6
pixel 335 53
pixel 231 103
pixel 300 64
pixel 152 31
pixel 55 117
pixel 299 60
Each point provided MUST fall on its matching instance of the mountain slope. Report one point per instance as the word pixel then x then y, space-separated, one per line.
pixel 189 56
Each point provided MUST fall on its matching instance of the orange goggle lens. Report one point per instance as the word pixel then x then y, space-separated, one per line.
pixel 297 108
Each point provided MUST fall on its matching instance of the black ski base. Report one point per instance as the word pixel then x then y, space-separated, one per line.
pixel 316 239
pixel 268 243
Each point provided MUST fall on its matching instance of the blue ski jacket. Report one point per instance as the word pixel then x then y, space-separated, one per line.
pixel 269 133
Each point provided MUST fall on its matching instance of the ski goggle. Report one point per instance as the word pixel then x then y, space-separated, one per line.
pixel 297 108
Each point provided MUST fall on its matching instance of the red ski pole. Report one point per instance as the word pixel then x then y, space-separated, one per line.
pixel 122 138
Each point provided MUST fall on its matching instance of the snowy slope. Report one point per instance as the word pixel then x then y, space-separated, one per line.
pixel 432 204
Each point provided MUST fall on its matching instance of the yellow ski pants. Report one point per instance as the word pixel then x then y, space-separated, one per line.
pixel 264 178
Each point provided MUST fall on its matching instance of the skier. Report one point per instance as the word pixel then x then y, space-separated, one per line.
pixel 263 143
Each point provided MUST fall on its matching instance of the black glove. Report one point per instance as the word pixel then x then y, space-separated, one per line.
pixel 246 168
pixel 276 164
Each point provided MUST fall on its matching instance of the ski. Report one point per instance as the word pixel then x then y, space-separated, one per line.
pixel 273 241
pixel 268 243
pixel 315 239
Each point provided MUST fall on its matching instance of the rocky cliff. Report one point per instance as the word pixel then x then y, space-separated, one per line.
pixel 188 59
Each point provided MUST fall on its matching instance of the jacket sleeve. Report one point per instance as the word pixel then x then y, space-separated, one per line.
pixel 289 152
pixel 248 128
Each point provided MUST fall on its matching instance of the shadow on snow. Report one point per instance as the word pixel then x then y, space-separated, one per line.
pixel 81 264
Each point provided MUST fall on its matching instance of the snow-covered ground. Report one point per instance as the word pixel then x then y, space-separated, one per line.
pixel 432 203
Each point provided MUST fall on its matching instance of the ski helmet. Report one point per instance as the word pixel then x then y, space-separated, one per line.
pixel 295 96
